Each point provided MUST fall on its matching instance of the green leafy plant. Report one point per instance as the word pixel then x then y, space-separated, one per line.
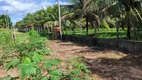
pixel 34 62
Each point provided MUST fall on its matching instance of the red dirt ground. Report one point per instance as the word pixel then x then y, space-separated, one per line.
pixel 105 64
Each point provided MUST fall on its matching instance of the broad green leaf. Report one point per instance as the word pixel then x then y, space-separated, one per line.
pixel 26 70
pixel 75 72
pixel 15 62
pixel 47 65
pixel 138 13
pixel 87 71
pixel 105 24
pixel 26 60
pixel 37 57
pixel 56 72
pixel 76 64
pixel 12 64
pixel 80 58
pixel 44 51
pixel 8 66
pixel 44 78
pixel 54 77
pixel 53 62
pixel 76 78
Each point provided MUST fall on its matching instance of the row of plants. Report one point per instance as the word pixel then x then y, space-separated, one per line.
pixel 33 61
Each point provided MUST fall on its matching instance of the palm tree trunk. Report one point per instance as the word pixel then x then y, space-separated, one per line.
pixel 87 25
pixel 135 33
pixel 117 30
pixel 53 37
pixel 71 29
pixel 129 30
pixel 95 32
pixel 80 29
pixel 95 29
pixel 48 30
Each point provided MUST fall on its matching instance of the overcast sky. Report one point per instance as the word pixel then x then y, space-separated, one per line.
pixel 17 9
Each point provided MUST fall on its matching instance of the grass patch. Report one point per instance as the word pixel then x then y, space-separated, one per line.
pixel 101 33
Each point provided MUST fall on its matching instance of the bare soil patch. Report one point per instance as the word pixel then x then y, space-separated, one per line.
pixel 105 64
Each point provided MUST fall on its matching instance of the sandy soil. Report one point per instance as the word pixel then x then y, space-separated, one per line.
pixel 105 64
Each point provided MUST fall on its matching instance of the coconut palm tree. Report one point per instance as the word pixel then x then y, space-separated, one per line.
pixel 4 19
pixel 129 9
pixel 132 14
pixel 93 12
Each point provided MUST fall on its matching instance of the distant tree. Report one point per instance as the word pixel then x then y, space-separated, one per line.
pixel 5 21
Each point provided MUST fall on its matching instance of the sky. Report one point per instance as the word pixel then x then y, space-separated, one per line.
pixel 17 9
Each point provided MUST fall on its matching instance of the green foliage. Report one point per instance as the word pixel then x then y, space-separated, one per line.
pixel 7 44
pixel 102 33
pixel 41 17
pixel 5 21
pixel 105 24
pixel 37 57
pixel 33 33
pixel 27 70
pixel 13 63
pixel 5 37
pixel 31 59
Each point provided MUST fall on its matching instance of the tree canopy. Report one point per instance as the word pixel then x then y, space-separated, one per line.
pixel 94 13
pixel 41 17
pixel 5 21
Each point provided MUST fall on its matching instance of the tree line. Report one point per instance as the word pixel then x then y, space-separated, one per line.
pixel 125 14
pixel 5 21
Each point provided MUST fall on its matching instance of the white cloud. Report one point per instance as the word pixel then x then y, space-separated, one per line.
pixel 16 19
pixel 65 3
pixel 19 8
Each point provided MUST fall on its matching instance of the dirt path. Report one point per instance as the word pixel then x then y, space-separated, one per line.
pixel 105 64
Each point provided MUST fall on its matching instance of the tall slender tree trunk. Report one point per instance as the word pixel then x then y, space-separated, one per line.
pixel 14 34
pixel 129 30
pixel 117 30
pixel 95 29
pixel 48 30
pixel 135 33
pixel 80 28
pixel 70 29
pixel 87 25
pixel 95 32
pixel 53 35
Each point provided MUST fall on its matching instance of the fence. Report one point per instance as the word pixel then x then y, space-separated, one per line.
pixel 26 29
pixel 121 45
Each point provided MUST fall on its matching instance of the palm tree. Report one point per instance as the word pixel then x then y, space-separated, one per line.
pixel 93 12
pixel 5 19
pixel 132 13
pixel 97 12
pixel 129 9
pixel 78 6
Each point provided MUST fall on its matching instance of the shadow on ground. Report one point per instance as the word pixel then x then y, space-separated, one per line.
pixel 105 64
pixel 126 68
pixel 109 68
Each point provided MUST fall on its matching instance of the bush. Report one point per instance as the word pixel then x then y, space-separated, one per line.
pixel 5 37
